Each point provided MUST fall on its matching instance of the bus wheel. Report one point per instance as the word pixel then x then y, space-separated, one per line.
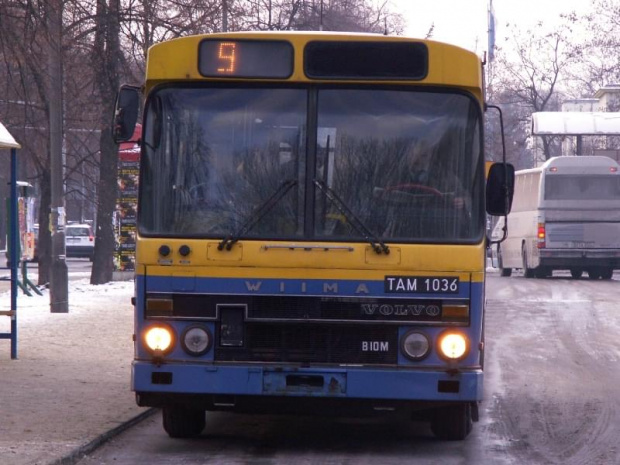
pixel 594 273
pixel 607 273
pixel 527 272
pixel 452 423
pixel 183 423
pixel 576 273
pixel 504 272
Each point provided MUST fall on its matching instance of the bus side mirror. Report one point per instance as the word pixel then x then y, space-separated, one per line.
pixel 500 187
pixel 125 113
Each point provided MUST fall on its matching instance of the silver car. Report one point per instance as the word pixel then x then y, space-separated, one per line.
pixel 80 241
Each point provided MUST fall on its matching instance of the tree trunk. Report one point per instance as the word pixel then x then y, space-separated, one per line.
pixel 107 59
pixel 105 243
pixel 44 244
pixel 546 147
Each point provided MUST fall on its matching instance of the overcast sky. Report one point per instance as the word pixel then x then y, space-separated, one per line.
pixel 464 22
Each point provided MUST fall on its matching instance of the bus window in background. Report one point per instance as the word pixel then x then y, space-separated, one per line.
pixel 583 187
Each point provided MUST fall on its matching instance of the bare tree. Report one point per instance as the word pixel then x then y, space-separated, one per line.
pixel 147 22
pixel 529 70
pixel 107 60
pixel 313 15
pixel 22 36
pixel 600 63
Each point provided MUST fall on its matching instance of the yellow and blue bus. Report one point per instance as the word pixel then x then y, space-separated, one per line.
pixel 290 257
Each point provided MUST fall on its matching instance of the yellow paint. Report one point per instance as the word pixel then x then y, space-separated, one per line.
pixel 260 261
pixel 487 168
pixel 448 65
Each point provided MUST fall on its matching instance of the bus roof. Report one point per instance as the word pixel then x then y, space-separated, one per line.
pixel 177 59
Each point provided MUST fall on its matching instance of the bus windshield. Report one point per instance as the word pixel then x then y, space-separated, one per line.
pixel 405 163
pixel 581 187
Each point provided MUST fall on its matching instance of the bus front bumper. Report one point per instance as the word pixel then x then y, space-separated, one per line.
pixel 203 385
pixel 580 258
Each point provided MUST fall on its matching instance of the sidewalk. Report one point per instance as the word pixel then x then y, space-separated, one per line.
pixel 70 385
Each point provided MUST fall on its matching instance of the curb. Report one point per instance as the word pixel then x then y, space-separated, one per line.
pixel 78 454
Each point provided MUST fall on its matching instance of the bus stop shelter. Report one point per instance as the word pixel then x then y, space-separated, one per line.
pixel 576 123
pixel 8 142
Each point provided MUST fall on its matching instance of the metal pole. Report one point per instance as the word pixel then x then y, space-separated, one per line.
pixel 82 193
pixel 13 252
pixel 59 282
pixel 224 16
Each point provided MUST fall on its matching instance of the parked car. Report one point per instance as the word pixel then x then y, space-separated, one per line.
pixel 80 241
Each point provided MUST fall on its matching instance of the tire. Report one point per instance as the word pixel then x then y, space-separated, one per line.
pixel 452 423
pixel 576 273
pixel 607 273
pixel 503 272
pixel 527 272
pixel 183 423
pixel 594 273
pixel 541 272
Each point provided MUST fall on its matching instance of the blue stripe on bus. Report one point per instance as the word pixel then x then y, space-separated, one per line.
pixel 308 287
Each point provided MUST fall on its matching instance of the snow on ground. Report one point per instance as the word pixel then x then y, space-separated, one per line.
pixel 82 297
pixel 71 380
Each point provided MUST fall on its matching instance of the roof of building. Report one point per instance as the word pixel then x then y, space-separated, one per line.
pixel 607 89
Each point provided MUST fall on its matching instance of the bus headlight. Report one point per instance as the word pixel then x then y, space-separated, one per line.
pixel 196 340
pixel 453 345
pixel 415 345
pixel 159 339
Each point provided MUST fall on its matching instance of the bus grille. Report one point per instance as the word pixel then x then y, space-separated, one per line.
pixel 313 343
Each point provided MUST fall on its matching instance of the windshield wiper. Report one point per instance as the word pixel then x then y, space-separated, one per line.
pixel 376 243
pixel 257 215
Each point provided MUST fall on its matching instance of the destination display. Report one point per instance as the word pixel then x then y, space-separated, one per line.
pixel 366 60
pixel 245 58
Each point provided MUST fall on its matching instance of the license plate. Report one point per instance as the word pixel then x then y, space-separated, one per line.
pixel 421 285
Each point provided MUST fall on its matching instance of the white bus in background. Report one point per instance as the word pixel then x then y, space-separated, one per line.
pixel 565 216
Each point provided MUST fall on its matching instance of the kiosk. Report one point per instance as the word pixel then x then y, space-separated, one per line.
pixel 8 142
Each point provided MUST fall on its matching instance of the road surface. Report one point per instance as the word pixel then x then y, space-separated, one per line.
pixel 551 397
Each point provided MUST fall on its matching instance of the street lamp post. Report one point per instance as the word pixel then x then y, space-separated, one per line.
pixel 59 281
